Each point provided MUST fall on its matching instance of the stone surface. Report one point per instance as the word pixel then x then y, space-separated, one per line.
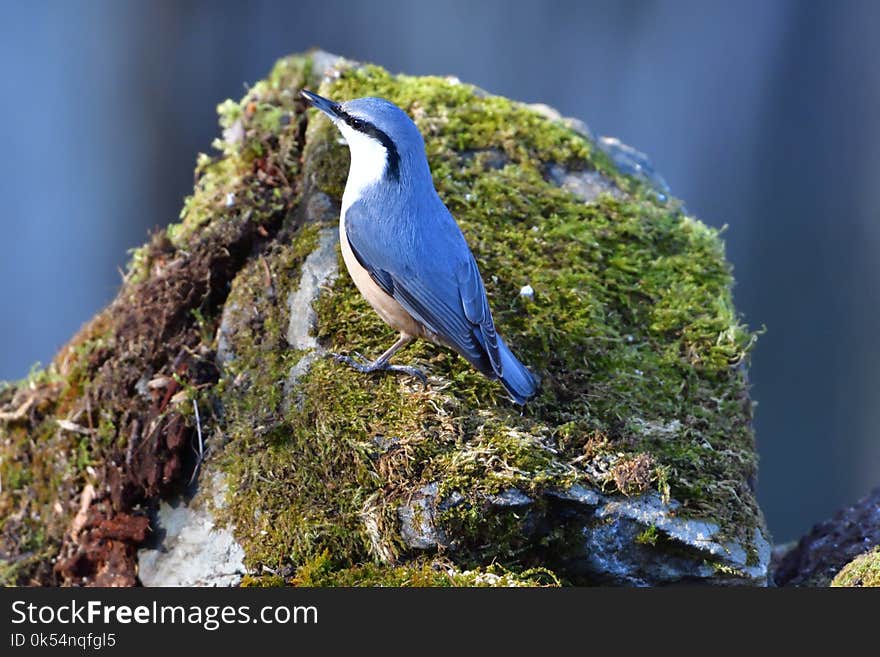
pixel 831 544
pixel 188 549
pixel 616 536
pixel 417 520
pixel 319 269
pixel 634 163
pixel 586 185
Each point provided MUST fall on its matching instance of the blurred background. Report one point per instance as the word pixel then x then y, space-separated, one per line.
pixel 761 115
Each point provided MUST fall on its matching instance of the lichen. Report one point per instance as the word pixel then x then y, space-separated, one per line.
pixel 864 570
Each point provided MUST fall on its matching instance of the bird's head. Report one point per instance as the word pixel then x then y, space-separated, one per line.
pixel 380 135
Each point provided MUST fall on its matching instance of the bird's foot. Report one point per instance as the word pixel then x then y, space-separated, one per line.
pixel 365 366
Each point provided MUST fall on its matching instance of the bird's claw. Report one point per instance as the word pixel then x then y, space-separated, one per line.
pixel 351 362
pixel 412 371
pixel 364 366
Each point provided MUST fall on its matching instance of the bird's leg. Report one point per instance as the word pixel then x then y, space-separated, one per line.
pixel 381 364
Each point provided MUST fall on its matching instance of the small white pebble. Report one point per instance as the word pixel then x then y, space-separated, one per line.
pixel 234 134
pixel 230 199
pixel 527 292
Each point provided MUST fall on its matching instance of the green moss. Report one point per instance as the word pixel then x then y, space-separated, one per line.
pixel 649 536
pixel 864 570
pixel 426 574
pixel 321 571
pixel 42 467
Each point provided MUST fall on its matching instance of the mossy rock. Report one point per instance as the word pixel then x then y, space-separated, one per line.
pixel 634 465
pixel 864 570
pixel 821 554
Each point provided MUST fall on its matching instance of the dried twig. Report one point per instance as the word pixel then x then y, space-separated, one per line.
pixel 19 413
pixel 270 285
pixel 201 452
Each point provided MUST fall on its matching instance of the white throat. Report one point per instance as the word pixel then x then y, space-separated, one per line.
pixel 368 161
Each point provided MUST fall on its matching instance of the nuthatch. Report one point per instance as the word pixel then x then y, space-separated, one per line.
pixel 405 252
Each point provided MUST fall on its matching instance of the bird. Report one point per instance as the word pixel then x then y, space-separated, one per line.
pixel 405 252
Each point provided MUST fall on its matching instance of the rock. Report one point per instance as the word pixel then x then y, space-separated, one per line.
pixel 615 546
pixel 830 545
pixel 586 185
pixel 187 548
pixel 417 520
pixel 634 465
pixel 318 269
pixel 634 163
pixel 617 537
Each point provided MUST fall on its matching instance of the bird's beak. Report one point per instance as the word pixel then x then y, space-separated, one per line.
pixel 329 108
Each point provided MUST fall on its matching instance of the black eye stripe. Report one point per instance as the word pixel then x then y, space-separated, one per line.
pixel 370 130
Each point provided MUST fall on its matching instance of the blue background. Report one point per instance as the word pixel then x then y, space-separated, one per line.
pixel 761 115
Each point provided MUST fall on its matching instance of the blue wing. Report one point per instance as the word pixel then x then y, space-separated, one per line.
pixel 430 271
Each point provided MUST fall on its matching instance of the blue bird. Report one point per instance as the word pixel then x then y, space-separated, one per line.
pixel 404 251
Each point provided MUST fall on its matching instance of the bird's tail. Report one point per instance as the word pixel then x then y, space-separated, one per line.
pixel 520 383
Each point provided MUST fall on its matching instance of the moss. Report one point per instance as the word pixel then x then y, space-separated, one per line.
pixel 864 570
pixel 42 466
pixel 321 571
pixel 649 536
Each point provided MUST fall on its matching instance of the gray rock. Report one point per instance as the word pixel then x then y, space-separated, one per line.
pixel 613 554
pixel 593 536
pixel 579 494
pixel 831 544
pixel 612 549
pixel 577 125
pixel 192 550
pixel 325 64
pixel 319 269
pixel 634 163
pixel 320 208
pixel 417 527
pixel 586 185
pixel 510 497
pixel 225 354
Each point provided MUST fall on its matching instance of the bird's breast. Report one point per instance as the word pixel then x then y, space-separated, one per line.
pixel 391 312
